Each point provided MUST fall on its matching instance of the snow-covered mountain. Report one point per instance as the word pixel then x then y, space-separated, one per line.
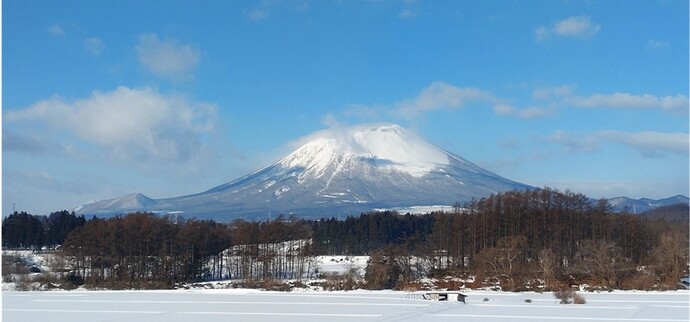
pixel 337 171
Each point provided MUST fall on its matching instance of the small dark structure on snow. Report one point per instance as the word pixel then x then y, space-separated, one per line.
pixel 445 296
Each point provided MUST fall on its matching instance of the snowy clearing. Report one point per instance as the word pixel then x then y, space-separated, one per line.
pixel 253 305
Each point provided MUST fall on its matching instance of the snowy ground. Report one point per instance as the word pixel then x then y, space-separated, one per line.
pixel 341 264
pixel 253 305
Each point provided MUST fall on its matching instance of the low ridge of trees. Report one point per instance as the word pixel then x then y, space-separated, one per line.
pixel 677 213
pixel 516 239
pixel 369 232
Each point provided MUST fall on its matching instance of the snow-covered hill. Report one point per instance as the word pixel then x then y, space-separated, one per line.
pixel 345 171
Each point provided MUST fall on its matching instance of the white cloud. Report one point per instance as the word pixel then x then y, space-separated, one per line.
pixel 167 58
pixel 129 125
pixel 440 95
pixel 574 27
pixel 579 26
pixel 94 45
pixel 626 100
pixel 526 113
pixel 56 30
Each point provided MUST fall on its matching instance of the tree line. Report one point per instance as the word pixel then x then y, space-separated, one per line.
pixel 519 238
pixel 23 230
pixel 516 239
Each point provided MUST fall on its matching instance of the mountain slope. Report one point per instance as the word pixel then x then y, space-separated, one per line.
pixel 345 171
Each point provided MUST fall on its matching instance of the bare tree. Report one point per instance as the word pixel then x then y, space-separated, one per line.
pixel 547 264
pixel 601 260
pixel 503 260
pixel 671 257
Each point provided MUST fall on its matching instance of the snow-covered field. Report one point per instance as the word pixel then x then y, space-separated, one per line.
pixel 308 305
pixel 253 305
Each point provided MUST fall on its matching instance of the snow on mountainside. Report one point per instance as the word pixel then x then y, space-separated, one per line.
pixel 336 171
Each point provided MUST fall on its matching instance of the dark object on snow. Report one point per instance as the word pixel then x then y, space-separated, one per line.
pixel 445 296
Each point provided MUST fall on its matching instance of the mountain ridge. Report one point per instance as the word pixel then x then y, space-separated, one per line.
pixel 637 206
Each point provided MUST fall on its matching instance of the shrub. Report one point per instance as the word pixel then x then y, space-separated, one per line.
pixel 274 285
pixel 564 295
pixel 578 299
pixel 569 296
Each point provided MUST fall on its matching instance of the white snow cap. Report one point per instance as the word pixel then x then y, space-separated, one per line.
pixel 390 145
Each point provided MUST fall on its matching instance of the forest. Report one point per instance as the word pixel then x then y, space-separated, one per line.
pixel 521 240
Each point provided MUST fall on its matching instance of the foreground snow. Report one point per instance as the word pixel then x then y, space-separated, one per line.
pixel 253 305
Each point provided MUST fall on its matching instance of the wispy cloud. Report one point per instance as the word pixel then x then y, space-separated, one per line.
pixel 361 112
pixel 264 9
pixel 167 58
pixel 94 45
pixel 409 10
pixel 627 100
pixel 440 95
pixel 256 14
pixel 543 93
pixel 655 44
pixel 574 27
pixel 575 143
pixel 45 181
pixel 330 120
pixel 525 113
pixel 30 144
pixel 407 13
pixel 56 30
pixel 130 125
pixel 647 143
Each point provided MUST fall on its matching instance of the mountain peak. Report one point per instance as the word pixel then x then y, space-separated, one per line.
pixel 389 146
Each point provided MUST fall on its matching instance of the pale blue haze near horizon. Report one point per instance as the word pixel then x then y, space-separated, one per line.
pixel 168 98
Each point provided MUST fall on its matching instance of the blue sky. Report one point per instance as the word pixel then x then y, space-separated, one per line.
pixel 106 98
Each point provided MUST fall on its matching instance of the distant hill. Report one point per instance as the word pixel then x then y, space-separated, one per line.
pixel 638 206
pixel 672 213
